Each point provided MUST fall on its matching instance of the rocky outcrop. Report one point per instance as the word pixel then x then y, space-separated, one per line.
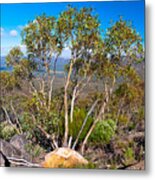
pixel 64 158
pixel 2 160
pixel 9 153
pixel 20 142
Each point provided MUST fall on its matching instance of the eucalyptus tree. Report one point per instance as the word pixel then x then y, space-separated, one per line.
pixel 37 68
pixel 126 51
pixel 44 46
pixel 109 61
pixel 81 31
pixel 123 85
pixel 11 84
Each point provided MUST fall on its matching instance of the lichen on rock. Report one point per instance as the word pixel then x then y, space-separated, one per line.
pixel 63 158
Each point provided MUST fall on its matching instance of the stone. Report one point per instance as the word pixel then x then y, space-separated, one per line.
pixel 7 151
pixel 2 160
pixel 19 141
pixel 63 158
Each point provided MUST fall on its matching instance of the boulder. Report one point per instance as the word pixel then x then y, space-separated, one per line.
pixel 63 158
pixel 8 151
pixel 2 160
pixel 19 141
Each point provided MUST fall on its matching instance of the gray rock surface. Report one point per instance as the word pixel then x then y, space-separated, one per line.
pixel 7 151
pixel 20 142
pixel 2 160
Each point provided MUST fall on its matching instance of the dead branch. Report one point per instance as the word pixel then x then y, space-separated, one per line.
pixel 9 120
pixel 16 118
pixel 47 135
pixel 22 162
pixel 7 116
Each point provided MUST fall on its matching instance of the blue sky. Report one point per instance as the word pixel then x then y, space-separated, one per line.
pixel 15 16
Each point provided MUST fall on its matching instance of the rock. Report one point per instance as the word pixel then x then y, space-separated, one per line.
pixel 63 158
pixel 2 160
pixel 7 151
pixel 19 141
pixel 138 166
pixel 2 116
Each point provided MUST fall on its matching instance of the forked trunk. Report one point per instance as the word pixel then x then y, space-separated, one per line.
pixel 66 104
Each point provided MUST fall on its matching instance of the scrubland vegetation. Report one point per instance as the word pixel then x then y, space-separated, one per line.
pixel 98 110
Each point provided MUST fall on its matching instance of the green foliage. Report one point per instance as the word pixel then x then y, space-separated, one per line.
pixel 23 68
pixel 80 30
pixel 111 61
pixel 40 38
pixel 50 122
pixel 8 82
pixel 123 119
pixel 34 150
pixel 74 127
pixel 122 40
pixel 103 132
pixel 14 56
pixel 6 131
pixel 26 122
pixel 129 155
pixel 90 165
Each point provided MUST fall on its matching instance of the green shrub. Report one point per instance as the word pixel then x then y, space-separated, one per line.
pixel 34 150
pixel 26 122
pixel 90 165
pixel 129 155
pixel 103 132
pixel 6 131
pixel 75 126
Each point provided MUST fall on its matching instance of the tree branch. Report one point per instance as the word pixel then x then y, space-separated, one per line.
pixel 84 123
pixel 9 120
pixel 16 118
pixel 101 113
pixel 66 103
pixel 51 82
pixel 47 135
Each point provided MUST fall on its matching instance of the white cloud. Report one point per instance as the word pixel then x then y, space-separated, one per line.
pixel 13 33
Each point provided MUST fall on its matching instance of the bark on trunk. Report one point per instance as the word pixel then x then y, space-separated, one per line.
pixel 51 83
pixel 66 104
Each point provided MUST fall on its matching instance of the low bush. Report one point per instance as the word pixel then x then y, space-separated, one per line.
pixel 103 132
pixel 7 131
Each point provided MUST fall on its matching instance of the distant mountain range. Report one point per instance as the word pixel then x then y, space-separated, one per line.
pixel 63 61
pixel 60 64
